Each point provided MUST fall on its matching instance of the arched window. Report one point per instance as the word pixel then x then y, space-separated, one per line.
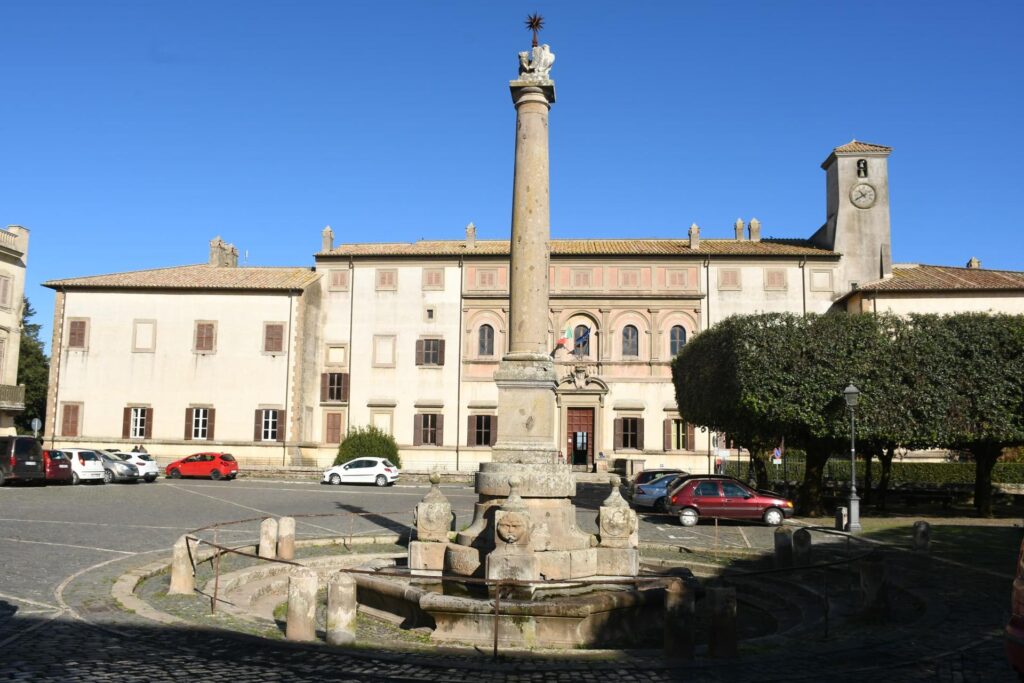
pixel 485 346
pixel 581 341
pixel 676 339
pixel 630 342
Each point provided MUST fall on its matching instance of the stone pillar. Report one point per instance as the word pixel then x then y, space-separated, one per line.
pixel 301 619
pixel 183 581
pixel 286 538
pixel 873 585
pixel 432 518
pixel 268 538
pixel 341 609
pixel 679 619
pixel 801 547
pixel 922 536
pixel 723 640
pixel 783 548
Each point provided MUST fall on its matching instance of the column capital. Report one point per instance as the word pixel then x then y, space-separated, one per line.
pixel 532 91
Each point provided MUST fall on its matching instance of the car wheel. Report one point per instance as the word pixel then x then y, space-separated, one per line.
pixel 688 517
pixel 381 480
pixel 335 479
pixel 215 475
pixel 74 479
pixel 773 516
pixel 108 476
pixel 174 474
pixel 150 478
pixel 661 505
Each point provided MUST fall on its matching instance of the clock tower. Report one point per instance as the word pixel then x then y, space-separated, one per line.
pixel 857 212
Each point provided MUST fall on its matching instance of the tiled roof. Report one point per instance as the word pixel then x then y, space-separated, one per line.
pixel 195 277
pixel 918 278
pixel 593 247
pixel 858 147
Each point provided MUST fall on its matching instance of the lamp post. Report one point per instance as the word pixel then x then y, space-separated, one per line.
pixel 852 396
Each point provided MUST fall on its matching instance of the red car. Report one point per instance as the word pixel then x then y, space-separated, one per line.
pixel 725 497
pixel 1015 628
pixel 57 467
pixel 212 465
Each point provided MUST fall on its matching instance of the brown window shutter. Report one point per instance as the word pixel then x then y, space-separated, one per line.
pixel 188 424
pixel 258 428
pixel 211 413
pixel 494 430
pixel 344 386
pixel 417 429
pixel 640 433
pixel 690 437
pixel 618 433
pixel 439 439
pixel 282 425
pixel 325 379
pixel 273 338
pixel 76 334
pixel 440 352
pixel 69 421
pixel 666 431
pixel 471 430
pixel 419 352
pixel 126 424
pixel 149 423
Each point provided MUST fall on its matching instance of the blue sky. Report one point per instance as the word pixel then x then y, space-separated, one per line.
pixel 133 132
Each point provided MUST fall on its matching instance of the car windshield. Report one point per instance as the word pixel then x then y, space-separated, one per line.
pixel 387 463
pixel 29 447
pixel 87 455
pixel 227 457
pixel 664 480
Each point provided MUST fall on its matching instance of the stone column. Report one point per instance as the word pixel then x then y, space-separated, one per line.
pixel 783 548
pixel 802 547
pixel 286 538
pixel 268 538
pixel 301 620
pixel 723 637
pixel 341 609
pixel 679 618
pixel 922 536
pixel 183 582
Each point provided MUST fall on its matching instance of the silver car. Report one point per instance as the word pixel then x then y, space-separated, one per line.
pixel 655 493
pixel 115 469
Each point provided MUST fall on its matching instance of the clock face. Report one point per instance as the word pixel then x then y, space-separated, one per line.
pixel 863 195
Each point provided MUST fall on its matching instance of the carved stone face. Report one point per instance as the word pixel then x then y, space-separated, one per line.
pixel 617 522
pixel 514 529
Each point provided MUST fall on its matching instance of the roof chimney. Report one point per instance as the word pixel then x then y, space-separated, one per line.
pixel 326 239
pixel 470 236
pixel 739 229
pixel 217 251
pixel 694 236
pixel 755 230
pixel 974 263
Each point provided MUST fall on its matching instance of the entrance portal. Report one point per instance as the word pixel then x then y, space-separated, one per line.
pixel 580 435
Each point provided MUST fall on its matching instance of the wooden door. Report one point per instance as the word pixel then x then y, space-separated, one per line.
pixel 580 436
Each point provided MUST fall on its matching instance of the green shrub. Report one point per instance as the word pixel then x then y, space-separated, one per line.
pixel 903 473
pixel 368 441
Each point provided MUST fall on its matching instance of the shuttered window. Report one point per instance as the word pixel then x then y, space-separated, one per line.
pixel 205 337
pixel 269 425
pixel 678 435
pixel 430 352
pixel 137 423
pixel 334 386
pixel 428 429
pixel 77 334
pixel 483 430
pixel 339 279
pixel 69 423
pixel 629 433
pixel 332 428
pixel 273 338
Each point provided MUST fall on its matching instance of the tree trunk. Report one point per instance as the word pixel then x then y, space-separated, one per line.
pixel 883 484
pixel 810 490
pixel 985 456
pixel 868 490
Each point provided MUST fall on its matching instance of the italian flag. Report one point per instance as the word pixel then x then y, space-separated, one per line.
pixel 566 336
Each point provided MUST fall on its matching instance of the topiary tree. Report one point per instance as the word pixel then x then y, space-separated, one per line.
pixel 368 441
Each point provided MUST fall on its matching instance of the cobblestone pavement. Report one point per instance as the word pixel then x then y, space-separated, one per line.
pixel 59 623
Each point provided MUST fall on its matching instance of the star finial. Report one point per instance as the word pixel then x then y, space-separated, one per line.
pixel 535 22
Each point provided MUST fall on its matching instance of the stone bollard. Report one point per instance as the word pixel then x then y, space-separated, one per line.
pixel 783 548
pixel 802 548
pixel 183 581
pixel 873 585
pixel 842 518
pixel 679 618
pixel 922 536
pixel 722 640
pixel 268 538
pixel 301 620
pixel 286 538
pixel 341 609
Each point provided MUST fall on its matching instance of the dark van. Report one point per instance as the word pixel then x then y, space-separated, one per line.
pixel 21 459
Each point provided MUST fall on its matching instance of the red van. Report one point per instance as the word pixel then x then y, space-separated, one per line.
pixel 21 459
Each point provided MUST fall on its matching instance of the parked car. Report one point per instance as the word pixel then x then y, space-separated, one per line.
pixel 377 471
pixel 726 497
pixel 116 469
pixel 21 459
pixel 1015 627
pixel 148 469
pixel 655 493
pixel 57 466
pixel 212 465
pixel 85 465
pixel 644 476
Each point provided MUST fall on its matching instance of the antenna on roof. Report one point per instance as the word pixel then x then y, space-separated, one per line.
pixel 245 259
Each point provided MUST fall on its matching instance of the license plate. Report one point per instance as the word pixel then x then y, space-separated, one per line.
pixel 30 462
pixel 63 467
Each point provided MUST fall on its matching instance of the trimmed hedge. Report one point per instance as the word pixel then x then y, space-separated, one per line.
pixel 903 473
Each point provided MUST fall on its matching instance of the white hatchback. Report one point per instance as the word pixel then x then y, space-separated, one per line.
pixel 147 466
pixel 377 471
pixel 85 465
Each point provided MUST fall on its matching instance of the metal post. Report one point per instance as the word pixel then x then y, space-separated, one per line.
pixel 854 525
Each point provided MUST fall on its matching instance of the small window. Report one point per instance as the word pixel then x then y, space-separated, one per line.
pixel 774 278
pixel 581 279
pixel 679 436
pixel 200 423
pixel 581 341
pixel 862 168
pixel 629 279
pixel 729 278
pixel 6 284
pixel 332 428
pixel 78 331
pixel 338 280
pixel 137 426
pixel 387 279
pixel 430 352
pixel 631 432
pixel 273 337
pixel 334 386
pixel 486 279
pixel 433 278
pixel 676 339
pixel 205 338
pixel 677 278
pixel 485 341
pixel 630 342
pixel 70 419
pixel 429 429
pixel 429 314
pixel 482 430
pixel 269 425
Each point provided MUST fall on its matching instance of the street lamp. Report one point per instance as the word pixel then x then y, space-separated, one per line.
pixel 852 396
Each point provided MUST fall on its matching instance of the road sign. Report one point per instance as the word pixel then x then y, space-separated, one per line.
pixel 36 426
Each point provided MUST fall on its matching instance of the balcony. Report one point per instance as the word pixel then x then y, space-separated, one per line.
pixel 12 397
